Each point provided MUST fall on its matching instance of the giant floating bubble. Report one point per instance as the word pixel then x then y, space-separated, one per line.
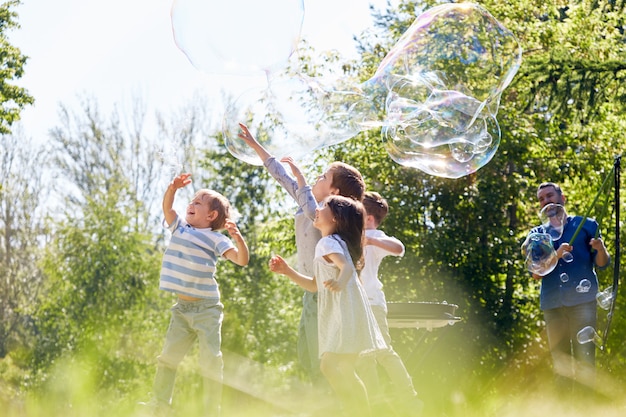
pixel 438 90
pixel 237 37
pixel 540 256
pixel 461 58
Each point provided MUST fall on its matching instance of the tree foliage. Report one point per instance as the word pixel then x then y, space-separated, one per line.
pixel 561 120
pixel 22 231
pixel 12 98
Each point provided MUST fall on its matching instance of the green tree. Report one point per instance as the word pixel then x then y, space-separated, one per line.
pixel 100 272
pixel 12 98
pixel 22 233
pixel 103 255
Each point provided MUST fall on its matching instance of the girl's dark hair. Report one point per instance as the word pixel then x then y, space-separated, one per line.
pixel 350 220
pixel 348 180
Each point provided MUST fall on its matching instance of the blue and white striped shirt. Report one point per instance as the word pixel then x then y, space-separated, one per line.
pixel 189 261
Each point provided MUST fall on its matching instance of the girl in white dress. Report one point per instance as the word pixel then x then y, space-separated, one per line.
pixel 347 326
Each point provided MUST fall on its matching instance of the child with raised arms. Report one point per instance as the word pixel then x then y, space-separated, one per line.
pixel 338 179
pixel 188 270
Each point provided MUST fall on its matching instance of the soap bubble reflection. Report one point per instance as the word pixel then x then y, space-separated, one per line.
pixel 567 257
pixel 171 160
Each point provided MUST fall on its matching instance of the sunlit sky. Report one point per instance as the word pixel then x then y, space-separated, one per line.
pixel 115 50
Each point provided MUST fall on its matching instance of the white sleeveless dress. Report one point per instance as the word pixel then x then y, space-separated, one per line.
pixel 346 323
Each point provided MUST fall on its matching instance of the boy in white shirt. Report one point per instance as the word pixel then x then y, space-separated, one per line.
pixel 379 245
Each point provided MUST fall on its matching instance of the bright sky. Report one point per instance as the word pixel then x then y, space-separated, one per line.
pixel 115 50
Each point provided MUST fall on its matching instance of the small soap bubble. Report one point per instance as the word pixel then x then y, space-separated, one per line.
pixel 588 334
pixel 583 286
pixel 567 257
pixel 605 298
pixel 564 277
pixel 170 160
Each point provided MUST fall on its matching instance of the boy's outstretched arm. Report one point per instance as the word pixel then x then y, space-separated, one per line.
pixel 240 254
pixel 179 181
pixel 390 244
pixel 247 137
pixel 274 167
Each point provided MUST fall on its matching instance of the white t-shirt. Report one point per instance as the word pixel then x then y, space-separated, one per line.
pixel 369 275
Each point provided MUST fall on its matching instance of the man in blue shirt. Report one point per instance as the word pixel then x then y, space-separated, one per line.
pixel 568 292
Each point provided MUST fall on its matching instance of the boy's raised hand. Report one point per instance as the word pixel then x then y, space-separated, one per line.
pixel 249 140
pixel 246 136
pixel 232 229
pixel 181 180
pixel 295 170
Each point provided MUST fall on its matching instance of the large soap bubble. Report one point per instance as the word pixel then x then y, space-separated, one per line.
pixel 438 90
pixel 460 59
pixel 237 37
pixel 293 116
pixel 539 254
pixel 553 218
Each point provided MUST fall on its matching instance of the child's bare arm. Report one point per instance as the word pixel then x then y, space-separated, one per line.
pixel 346 270
pixel 280 266
pixel 239 255
pixel 179 181
pixel 391 245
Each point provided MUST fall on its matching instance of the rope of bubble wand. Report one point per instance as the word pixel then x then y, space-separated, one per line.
pixel 616 261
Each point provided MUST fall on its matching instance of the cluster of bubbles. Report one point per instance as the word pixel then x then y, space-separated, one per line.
pixel 541 259
pixel 438 88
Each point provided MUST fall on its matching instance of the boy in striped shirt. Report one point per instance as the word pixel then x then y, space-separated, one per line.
pixel 188 270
